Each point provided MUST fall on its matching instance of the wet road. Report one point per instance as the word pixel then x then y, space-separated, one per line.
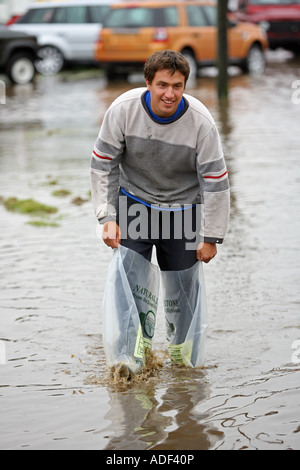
pixel 52 278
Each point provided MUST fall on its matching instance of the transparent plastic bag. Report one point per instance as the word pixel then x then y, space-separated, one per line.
pixel 130 307
pixel 186 314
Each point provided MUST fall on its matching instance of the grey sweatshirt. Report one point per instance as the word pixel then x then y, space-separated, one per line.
pixel 177 163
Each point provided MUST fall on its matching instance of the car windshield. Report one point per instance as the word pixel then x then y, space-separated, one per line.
pixel 98 13
pixel 38 15
pixel 139 17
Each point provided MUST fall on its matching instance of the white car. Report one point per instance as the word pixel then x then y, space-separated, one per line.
pixel 66 31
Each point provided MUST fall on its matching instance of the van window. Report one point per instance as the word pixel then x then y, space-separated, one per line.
pixel 129 18
pixel 71 15
pixel 196 16
pixel 98 13
pixel 211 15
pixel 37 15
pixel 171 16
pixel 139 17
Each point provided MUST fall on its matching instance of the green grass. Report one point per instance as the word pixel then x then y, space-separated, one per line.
pixel 61 193
pixel 42 223
pixel 28 206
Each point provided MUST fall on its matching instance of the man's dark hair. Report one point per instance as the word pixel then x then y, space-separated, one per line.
pixel 166 60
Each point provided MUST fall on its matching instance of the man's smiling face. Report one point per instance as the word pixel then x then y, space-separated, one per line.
pixel 166 92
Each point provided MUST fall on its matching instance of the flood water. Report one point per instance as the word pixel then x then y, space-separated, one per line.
pixel 52 364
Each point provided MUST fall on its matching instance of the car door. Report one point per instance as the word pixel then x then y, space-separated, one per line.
pixel 203 32
pixel 235 35
pixel 74 26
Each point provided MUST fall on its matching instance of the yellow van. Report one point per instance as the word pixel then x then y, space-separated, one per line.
pixel 132 31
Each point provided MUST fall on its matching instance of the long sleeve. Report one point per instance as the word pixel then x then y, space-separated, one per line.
pixel 105 163
pixel 213 177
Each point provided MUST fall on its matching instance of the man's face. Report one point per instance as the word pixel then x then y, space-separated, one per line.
pixel 166 92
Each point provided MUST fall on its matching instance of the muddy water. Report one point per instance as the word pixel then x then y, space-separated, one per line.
pixel 53 388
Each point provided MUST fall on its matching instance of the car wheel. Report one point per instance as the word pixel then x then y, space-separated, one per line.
pixel 50 62
pixel 20 69
pixel 255 63
pixel 192 63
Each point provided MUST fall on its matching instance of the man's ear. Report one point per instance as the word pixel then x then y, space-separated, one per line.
pixel 148 84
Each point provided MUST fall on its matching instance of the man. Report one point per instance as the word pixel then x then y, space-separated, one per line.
pixel 159 149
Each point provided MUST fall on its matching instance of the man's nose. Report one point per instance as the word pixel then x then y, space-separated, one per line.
pixel 169 92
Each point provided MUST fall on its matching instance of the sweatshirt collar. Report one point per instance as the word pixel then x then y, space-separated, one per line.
pixel 182 107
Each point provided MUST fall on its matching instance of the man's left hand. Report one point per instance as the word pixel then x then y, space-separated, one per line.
pixel 206 252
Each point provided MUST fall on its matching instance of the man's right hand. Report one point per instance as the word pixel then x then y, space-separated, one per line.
pixel 111 234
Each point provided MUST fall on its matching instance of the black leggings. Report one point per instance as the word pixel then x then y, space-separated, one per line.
pixel 175 234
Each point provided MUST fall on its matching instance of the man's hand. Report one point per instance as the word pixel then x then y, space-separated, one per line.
pixel 206 252
pixel 111 234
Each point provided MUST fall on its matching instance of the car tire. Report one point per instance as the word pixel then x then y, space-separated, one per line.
pixel 20 69
pixel 51 61
pixel 255 63
pixel 192 63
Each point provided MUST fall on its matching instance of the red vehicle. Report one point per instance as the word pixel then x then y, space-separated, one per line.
pixel 279 18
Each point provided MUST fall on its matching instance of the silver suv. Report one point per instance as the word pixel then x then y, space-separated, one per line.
pixel 66 31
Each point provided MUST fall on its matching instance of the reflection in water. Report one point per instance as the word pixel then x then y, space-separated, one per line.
pixel 52 281
pixel 161 414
